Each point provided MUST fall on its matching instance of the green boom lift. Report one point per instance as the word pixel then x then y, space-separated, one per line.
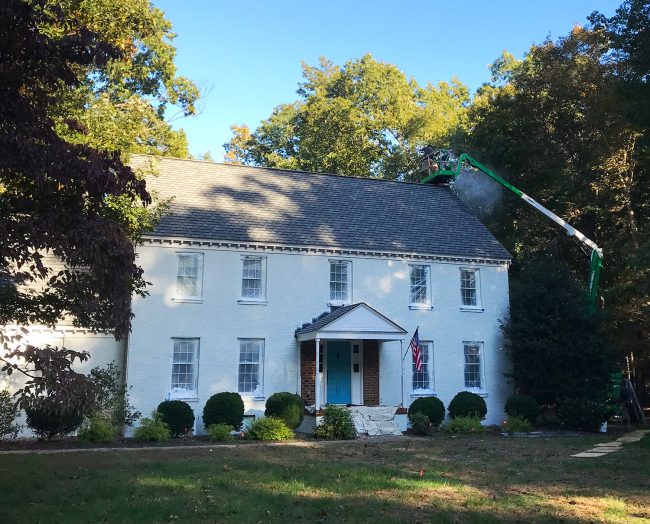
pixel 440 166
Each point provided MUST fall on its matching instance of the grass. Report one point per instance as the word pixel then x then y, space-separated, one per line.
pixel 473 478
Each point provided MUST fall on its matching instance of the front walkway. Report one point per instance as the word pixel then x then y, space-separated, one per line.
pixel 609 447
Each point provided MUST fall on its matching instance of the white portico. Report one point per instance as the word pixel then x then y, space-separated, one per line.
pixel 345 344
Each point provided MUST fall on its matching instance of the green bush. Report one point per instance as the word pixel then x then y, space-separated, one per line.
pixel 224 408
pixel 47 418
pixel 178 415
pixel 517 424
pixel 420 423
pixel 466 404
pixel 98 430
pixel 337 424
pixel 8 414
pixel 112 400
pixel 583 414
pixel 286 406
pixel 152 429
pixel 220 432
pixel 523 406
pixel 432 407
pixel 268 429
pixel 463 424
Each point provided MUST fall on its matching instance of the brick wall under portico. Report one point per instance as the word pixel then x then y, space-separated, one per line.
pixel 370 372
pixel 308 372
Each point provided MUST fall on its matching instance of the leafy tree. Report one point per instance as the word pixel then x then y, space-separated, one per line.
pixel 59 199
pixel 363 119
pixel 559 126
pixel 121 105
pixel 557 348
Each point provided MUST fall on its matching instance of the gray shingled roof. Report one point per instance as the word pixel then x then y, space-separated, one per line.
pixel 250 204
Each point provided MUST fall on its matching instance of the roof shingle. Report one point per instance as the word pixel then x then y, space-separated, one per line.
pixel 227 202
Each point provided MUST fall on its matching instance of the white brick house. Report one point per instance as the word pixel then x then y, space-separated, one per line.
pixel 256 271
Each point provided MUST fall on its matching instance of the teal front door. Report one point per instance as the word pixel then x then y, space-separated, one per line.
pixel 338 373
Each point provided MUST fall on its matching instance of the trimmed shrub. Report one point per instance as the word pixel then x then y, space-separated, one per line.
pixel 224 408
pixel 583 414
pixel 220 432
pixel 466 404
pixel 178 415
pixel 152 429
pixel 8 414
pixel 517 424
pixel 420 423
pixel 337 424
pixel 98 430
pixel 48 419
pixel 268 429
pixel 286 406
pixel 463 424
pixel 523 406
pixel 432 407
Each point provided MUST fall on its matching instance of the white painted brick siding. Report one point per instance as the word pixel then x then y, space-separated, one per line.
pixel 297 290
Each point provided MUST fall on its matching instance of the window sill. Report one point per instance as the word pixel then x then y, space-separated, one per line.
pixel 249 301
pixel 337 303
pixel 422 393
pixel 187 300
pixel 479 392
pixel 422 307
pixel 250 396
pixel 184 396
pixel 472 309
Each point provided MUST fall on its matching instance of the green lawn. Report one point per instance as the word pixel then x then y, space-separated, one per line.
pixel 464 479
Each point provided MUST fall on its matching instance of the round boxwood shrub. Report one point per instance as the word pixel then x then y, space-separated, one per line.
pixel 583 414
pixel 47 420
pixel 178 415
pixel 466 404
pixel 286 406
pixel 224 408
pixel 432 407
pixel 268 429
pixel 523 406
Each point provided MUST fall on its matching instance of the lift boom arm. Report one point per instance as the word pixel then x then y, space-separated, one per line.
pixel 596 258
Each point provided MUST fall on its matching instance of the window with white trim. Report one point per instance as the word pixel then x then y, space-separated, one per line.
pixel 185 366
pixel 420 295
pixel 469 288
pixel 189 277
pixel 473 356
pixel 423 380
pixel 253 282
pixel 340 279
pixel 251 357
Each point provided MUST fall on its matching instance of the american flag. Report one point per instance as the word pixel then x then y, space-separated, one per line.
pixel 417 353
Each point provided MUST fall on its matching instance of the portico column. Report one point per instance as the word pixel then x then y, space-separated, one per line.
pixel 317 374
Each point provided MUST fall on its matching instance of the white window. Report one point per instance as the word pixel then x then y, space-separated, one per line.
pixel 473 356
pixel 469 288
pixel 185 366
pixel 423 380
pixel 189 279
pixel 251 356
pixel 340 279
pixel 420 295
pixel 253 282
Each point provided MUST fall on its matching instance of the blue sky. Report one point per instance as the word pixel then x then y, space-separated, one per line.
pixel 246 55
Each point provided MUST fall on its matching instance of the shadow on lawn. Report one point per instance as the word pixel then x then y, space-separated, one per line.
pixel 465 480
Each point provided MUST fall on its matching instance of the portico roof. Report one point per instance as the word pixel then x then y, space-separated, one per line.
pixel 356 321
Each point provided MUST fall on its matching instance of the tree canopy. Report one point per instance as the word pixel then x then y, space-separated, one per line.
pixel 365 118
